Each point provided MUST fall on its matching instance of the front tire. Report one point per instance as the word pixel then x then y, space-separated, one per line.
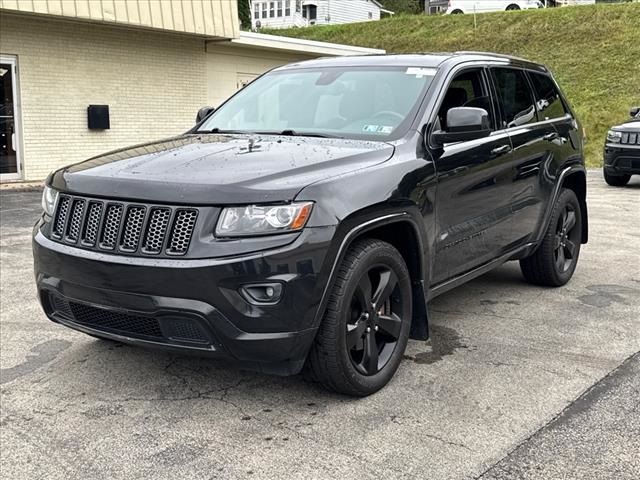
pixel 616 180
pixel 512 7
pixel 366 326
pixel 556 258
pixel 457 12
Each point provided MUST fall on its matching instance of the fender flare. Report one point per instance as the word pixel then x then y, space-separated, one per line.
pixel 564 174
pixel 418 330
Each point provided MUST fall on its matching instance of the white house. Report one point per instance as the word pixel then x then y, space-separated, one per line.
pixel 301 13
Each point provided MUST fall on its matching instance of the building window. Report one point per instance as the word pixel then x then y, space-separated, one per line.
pixel 272 9
pixel 370 15
pixel 264 10
pixel 279 9
pixel 298 6
pixel 287 8
pixel 256 11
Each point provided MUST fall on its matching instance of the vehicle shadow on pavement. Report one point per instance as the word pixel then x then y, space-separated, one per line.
pixel 117 372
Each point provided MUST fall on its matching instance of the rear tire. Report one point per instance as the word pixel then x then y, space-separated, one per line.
pixel 457 12
pixel 616 180
pixel 512 7
pixel 366 325
pixel 556 258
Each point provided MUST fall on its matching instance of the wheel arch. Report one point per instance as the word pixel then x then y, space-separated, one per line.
pixel 402 232
pixel 576 180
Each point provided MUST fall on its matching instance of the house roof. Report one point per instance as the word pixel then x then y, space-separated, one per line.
pixel 298 45
pixel 207 18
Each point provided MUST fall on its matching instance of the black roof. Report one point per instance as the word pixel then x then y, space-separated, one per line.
pixel 429 60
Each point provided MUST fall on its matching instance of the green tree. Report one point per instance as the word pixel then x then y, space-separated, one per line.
pixel 244 13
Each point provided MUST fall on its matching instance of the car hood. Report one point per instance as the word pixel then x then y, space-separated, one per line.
pixel 218 169
pixel 630 126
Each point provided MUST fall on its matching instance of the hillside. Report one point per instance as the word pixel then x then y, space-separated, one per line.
pixel 594 51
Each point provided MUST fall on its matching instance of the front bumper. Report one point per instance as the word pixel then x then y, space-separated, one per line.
pixel 191 305
pixel 622 159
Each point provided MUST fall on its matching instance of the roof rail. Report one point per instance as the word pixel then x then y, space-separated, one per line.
pixel 491 54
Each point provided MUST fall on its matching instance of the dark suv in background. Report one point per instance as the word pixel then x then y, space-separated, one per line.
pixel 622 151
pixel 308 220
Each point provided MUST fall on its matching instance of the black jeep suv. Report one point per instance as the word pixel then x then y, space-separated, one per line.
pixel 308 220
pixel 622 151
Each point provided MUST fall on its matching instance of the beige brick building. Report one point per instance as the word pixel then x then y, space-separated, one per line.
pixel 153 63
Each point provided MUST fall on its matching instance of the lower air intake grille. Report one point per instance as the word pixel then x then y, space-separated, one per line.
pixel 185 329
pixel 103 319
pixel 169 329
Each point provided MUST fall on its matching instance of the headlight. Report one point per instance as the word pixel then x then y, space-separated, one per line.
pixel 613 136
pixel 49 197
pixel 263 219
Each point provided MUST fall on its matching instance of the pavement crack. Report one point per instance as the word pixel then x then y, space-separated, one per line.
pixel 448 442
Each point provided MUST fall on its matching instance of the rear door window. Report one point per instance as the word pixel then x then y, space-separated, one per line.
pixel 548 100
pixel 514 96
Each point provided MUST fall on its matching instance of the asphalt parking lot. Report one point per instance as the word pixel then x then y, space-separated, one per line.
pixel 516 382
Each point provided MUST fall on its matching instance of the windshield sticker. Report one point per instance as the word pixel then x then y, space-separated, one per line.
pixel 380 129
pixel 420 72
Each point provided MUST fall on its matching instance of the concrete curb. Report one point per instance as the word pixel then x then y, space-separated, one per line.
pixel 21 187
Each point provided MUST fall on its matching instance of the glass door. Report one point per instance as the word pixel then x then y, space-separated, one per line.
pixel 9 115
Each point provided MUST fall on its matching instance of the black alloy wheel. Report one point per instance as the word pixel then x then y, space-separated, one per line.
pixel 365 329
pixel 555 260
pixel 567 239
pixel 375 320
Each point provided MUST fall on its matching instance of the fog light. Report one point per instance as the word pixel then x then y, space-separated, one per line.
pixel 262 294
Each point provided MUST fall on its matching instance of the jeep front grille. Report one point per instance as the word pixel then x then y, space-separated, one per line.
pixel 122 227
pixel 630 138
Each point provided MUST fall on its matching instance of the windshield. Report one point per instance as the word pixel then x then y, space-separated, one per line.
pixel 345 102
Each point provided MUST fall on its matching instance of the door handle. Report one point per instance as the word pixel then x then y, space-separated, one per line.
pixel 501 150
pixel 550 136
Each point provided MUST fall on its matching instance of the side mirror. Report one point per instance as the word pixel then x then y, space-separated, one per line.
pixel 203 113
pixel 635 111
pixel 464 124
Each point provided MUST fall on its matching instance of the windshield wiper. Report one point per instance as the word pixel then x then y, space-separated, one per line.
pixel 292 133
pixel 219 130
pixel 288 132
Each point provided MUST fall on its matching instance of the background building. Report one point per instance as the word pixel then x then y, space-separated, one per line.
pixel 301 13
pixel 152 63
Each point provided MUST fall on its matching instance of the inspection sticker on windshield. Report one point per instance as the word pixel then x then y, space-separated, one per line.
pixel 421 72
pixel 381 129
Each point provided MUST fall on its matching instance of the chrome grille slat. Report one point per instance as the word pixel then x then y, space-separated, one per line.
pixel 123 227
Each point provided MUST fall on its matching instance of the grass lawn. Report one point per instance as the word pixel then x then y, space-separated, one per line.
pixel 594 51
